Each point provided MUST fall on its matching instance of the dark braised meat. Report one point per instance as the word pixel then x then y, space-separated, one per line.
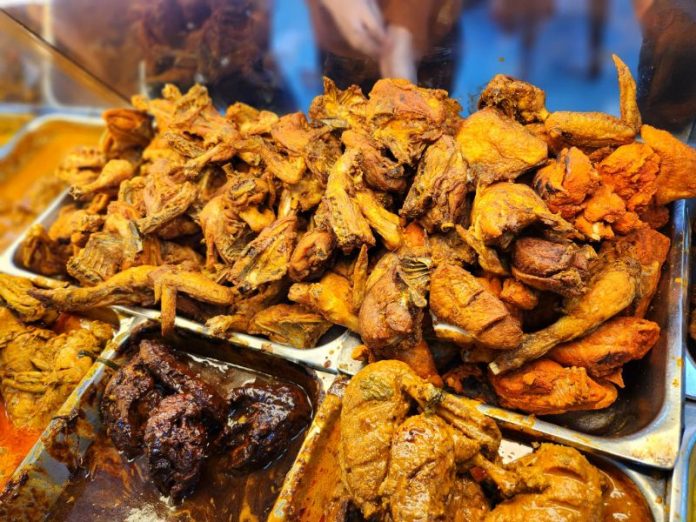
pixel 263 419
pixel 130 396
pixel 176 440
pixel 180 378
pixel 560 267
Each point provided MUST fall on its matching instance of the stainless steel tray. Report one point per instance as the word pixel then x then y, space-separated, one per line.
pixel 643 426
pixel 45 472
pixel 682 486
pixel 296 495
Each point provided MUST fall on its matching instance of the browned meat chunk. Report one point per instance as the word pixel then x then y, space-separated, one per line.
pixel 264 418
pixel 176 440
pixel 130 396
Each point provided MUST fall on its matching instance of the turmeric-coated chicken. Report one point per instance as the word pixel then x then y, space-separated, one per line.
pixel 331 297
pixel 375 405
pixel 290 324
pixel 516 99
pixel 544 387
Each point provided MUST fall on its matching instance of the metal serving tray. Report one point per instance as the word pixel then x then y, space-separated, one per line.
pixel 298 498
pixel 643 426
pixel 682 487
pixel 46 471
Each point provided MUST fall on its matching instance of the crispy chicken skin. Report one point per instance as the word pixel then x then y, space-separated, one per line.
pixel 613 288
pixel 331 297
pixel 560 267
pixel 457 297
pixel 502 210
pixel 516 99
pixel 610 346
pixel 544 387
pixel 290 324
pixel 498 148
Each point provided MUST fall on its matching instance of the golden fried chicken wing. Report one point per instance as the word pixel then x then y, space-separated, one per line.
pixel 498 148
pixel 609 347
pixel 677 164
pixel 544 387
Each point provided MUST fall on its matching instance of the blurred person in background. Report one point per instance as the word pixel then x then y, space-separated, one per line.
pixel 667 67
pixel 360 41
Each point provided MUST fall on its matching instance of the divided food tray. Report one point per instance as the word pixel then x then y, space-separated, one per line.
pixel 643 426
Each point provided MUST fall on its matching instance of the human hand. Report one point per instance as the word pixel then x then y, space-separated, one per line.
pixel 360 23
pixel 398 59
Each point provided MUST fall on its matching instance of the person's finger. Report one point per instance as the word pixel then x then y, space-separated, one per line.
pixel 359 39
pixel 374 23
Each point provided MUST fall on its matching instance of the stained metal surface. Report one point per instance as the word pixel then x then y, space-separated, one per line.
pixel 682 488
pixel 45 472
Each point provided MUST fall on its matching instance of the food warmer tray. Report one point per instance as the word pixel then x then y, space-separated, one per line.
pixel 45 472
pixel 682 486
pixel 296 494
pixel 643 426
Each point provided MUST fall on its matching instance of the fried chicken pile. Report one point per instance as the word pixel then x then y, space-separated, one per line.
pixel 519 237
pixel 436 463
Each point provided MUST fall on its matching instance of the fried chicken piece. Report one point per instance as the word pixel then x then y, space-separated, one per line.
pixel 486 256
pixel 650 249
pixel 265 259
pixel 15 293
pixel 290 324
pixel 502 210
pixel 437 193
pixel 677 164
pixel 244 307
pixel 81 166
pixel 458 298
pixel 286 167
pixel 42 255
pixel 165 199
pixel 114 172
pixel 421 472
pixel 498 148
pixel 99 260
pixel 386 224
pixel 129 287
pixel 405 118
pixel 612 289
pixel 560 267
pixel 74 225
pixel 339 109
pixel 605 212
pixel 224 232
pixel 249 120
pixel 331 297
pixel 564 486
pixel 566 183
pixel 359 278
pixel 631 171
pixel 379 172
pixel 516 99
pixel 345 217
pixel 609 347
pixel 450 248
pixel 597 129
pixel 312 255
pixel 544 387
pixel 126 130
pixel 518 295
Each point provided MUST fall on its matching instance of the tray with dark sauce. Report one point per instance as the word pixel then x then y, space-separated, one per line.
pixel 241 453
